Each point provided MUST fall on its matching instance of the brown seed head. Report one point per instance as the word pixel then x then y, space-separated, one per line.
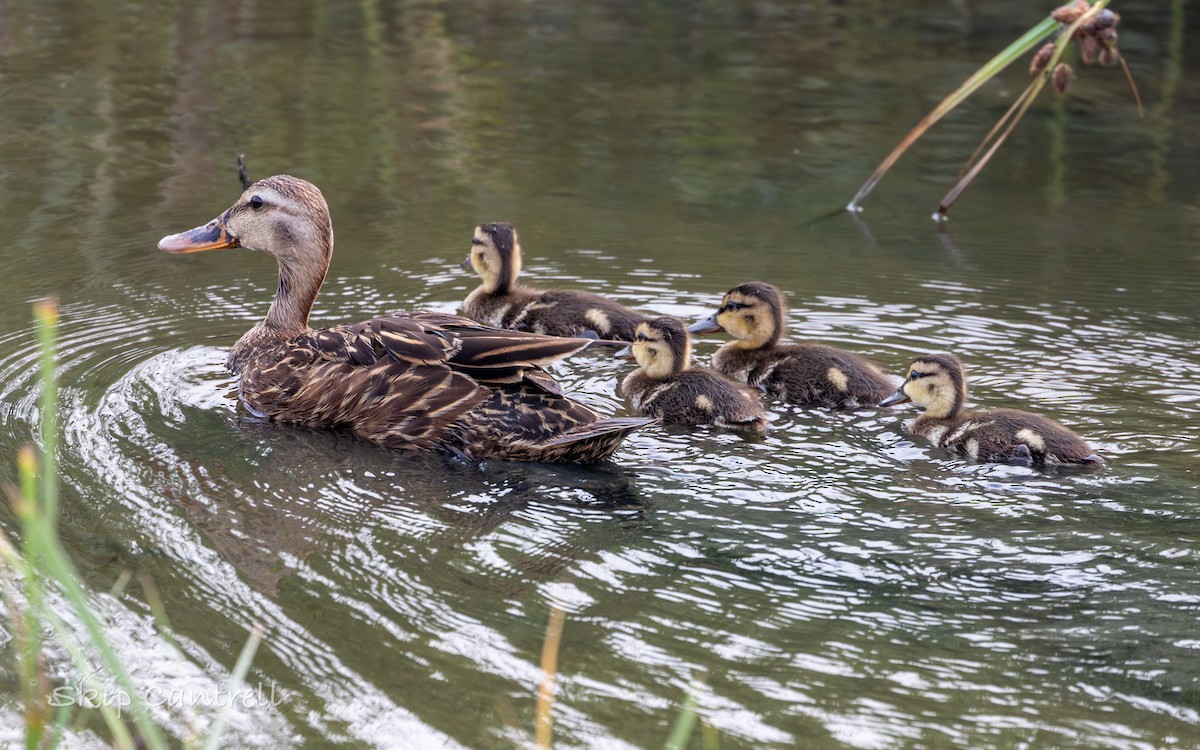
pixel 1070 12
pixel 1061 77
pixel 1089 48
pixel 1041 58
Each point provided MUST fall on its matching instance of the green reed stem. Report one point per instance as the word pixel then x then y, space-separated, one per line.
pixel 44 562
pixel 986 72
pixel 236 679
pixel 685 723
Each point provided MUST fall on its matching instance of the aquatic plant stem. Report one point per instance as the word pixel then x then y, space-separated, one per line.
pixel 45 312
pixel 1013 117
pixel 989 70
pixel 44 562
pixel 237 678
pixel 685 723
pixel 544 722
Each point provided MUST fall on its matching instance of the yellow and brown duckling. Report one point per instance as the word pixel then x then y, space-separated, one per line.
pixel 404 380
pixel 806 374
pixel 665 386
pixel 937 383
pixel 504 302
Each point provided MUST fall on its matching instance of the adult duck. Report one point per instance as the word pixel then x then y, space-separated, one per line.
pixel 425 381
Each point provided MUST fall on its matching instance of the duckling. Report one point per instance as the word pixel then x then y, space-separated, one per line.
pixel 936 382
pixel 503 302
pixel 664 385
pixel 807 374
pixel 406 380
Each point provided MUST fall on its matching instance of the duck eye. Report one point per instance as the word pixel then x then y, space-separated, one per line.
pixel 476 241
pixel 256 202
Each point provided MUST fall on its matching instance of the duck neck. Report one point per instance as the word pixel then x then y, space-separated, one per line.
pixel 298 287
pixel 299 282
pixel 505 279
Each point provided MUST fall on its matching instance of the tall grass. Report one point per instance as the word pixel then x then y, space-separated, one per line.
pixel 42 570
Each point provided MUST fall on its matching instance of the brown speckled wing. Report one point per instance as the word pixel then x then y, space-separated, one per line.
pixel 411 380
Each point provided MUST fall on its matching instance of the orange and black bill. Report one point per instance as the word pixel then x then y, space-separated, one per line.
pixel 214 235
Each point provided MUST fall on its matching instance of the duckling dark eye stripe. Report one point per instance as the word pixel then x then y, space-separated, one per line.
pixel 476 241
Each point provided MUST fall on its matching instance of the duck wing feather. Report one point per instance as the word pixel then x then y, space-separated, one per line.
pixel 403 380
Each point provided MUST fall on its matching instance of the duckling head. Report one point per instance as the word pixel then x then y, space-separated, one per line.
pixel 936 383
pixel 495 256
pixel 753 313
pixel 661 347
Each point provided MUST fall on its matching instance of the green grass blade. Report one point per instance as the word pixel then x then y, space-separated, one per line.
pixel 989 70
pixel 544 714
pixel 58 568
pixel 112 717
pixel 47 558
pixel 237 678
pixel 685 723
pixel 46 313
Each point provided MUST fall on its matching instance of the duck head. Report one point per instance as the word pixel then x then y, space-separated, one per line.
pixel 661 347
pixel 285 217
pixel 282 215
pixel 495 256
pixel 936 383
pixel 753 313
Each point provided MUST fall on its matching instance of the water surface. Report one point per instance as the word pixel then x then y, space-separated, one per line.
pixel 837 584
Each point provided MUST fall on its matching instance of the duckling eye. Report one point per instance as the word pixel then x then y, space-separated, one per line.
pixel 256 202
pixel 913 375
pixel 640 337
pixel 476 241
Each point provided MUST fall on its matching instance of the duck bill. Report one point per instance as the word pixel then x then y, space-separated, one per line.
pixel 214 235
pixel 708 325
pixel 899 397
pixel 626 353
pixel 466 264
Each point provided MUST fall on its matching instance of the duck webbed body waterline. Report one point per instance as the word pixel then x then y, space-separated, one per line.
pixel 805 374
pixel 938 384
pixel 502 301
pixel 426 381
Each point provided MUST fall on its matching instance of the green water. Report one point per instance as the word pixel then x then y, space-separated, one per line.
pixel 838 584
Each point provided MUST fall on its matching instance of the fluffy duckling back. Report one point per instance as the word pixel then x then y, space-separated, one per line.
pixel 665 386
pixel 937 383
pixel 503 302
pixel 806 374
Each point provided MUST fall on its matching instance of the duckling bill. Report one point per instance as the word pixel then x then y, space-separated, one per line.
pixel 502 301
pixel 667 387
pixel 416 381
pixel 805 374
pixel 938 384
